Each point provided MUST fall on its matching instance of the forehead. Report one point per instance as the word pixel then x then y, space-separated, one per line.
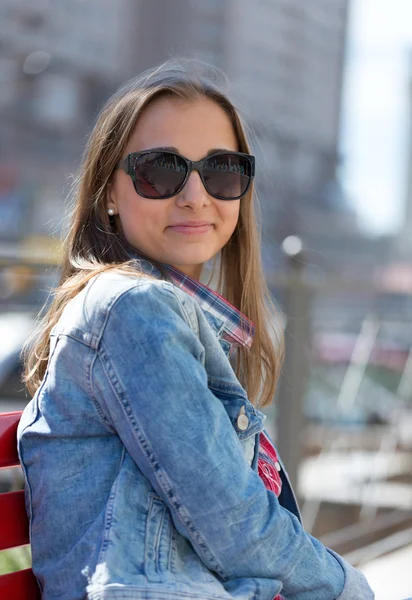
pixel 192 126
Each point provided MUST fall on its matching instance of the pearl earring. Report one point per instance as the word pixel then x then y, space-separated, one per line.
pixel 110 211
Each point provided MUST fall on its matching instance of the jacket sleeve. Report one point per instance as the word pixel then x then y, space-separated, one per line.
pixel 181 438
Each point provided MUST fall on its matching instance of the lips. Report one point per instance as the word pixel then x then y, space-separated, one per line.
pixel 191 227
pixel 191 224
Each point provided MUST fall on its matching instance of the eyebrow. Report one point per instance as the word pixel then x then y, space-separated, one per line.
pixel 173 149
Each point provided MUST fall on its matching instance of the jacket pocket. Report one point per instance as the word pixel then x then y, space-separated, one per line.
pixel 158 540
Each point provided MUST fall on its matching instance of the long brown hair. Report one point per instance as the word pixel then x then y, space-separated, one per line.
pixel 93 243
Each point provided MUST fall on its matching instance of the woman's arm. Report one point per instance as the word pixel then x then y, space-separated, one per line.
pixel 154 388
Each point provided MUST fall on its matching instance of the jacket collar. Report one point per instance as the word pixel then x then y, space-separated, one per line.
pixel 237 329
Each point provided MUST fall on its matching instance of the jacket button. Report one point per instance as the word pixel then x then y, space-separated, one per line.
pixel 242 420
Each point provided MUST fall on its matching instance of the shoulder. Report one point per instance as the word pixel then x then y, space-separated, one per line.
pixel 123 293
pixel 112 296
pixel 148 314
pixel 109 288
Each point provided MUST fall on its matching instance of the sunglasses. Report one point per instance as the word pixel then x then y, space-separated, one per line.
pixel 160 174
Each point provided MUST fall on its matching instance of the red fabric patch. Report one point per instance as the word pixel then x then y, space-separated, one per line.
pixel 267 463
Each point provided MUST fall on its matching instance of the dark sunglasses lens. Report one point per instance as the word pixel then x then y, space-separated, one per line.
pixel 227 175
pixel 159 174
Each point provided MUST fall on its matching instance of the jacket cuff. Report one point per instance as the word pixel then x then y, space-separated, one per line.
pixel 356 586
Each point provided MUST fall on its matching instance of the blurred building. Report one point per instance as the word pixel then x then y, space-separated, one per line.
pixel 59 62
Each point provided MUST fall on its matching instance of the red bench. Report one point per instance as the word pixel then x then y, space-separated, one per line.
pixel 14 524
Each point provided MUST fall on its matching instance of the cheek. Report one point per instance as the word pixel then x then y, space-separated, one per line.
pixel 230 216
pixel 140 210
pixel 131 215
pixel 129 203
pixel 141 226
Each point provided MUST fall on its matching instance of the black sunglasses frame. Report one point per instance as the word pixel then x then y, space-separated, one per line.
pixel 128 165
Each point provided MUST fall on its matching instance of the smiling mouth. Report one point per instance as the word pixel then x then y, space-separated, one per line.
pixel 191 229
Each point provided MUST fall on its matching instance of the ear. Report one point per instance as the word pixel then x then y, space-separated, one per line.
pixel 111 201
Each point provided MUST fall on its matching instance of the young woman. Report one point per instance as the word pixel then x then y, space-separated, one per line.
pixel 149 473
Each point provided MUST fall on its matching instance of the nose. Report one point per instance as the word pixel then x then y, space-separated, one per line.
pixel 194 194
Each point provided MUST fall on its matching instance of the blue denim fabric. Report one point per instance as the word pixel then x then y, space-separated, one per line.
pixel 139 397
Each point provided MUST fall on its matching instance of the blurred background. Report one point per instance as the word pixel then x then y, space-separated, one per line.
pixel 326 87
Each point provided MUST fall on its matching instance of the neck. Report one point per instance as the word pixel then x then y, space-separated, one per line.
pixel 193 271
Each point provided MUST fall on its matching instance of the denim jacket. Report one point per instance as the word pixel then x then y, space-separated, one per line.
pixel 139 397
